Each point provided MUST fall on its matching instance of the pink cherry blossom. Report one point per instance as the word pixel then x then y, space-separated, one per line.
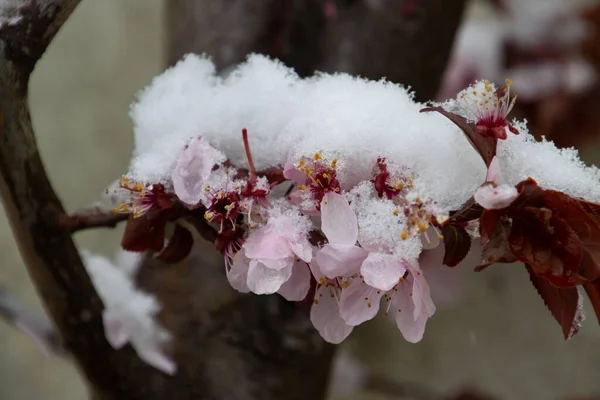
pixel 494 194
pixel 297 286
pixel 489 108
pixel 315 178
pixel 341 256
pixel 411 300
pixel 325 311
pixel 192 169
pixel 359 302
pixel 139 198
pixel 237 271
pixel 383 271
pixel 272 251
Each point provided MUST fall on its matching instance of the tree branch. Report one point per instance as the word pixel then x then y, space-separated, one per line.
pixel 90 219
pixel 34 213
pixel 405 41
pixel 34 324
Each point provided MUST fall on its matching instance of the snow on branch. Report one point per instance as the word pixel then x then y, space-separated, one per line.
pixel 382 179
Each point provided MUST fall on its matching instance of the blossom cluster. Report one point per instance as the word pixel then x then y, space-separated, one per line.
pixel 336 191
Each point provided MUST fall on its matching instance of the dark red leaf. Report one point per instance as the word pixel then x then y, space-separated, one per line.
pixel 564 304
pixel 469 211
pixel 584 224
pixel 487 224
pixel 457 244
pixel 497 248
pixel 145 233
pixel 530 194
pixel 547 244
pixel 484 145
pixel 179 246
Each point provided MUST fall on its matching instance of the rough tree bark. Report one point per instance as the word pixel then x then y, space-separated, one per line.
pixel 227 345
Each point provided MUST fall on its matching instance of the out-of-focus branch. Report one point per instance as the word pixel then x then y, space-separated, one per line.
pixel 405 41
pixel 34 324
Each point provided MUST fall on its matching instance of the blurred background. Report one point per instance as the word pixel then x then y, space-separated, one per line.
pixel 495 336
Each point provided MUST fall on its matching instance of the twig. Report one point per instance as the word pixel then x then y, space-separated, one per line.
pixel 34 324
pixel 91 218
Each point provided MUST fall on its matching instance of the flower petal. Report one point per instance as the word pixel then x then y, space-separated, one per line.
pixel 421 294
pixel 315 268
pixel 296 288
pixel 494 174
pixel 412 329
pixel 340 260
pixel 338 221
pixel 114 329
pixel 325 316
pixel 291 172
pixel 359 302
pixel 382 271
pixel 192 168
pixel 303 249
pixel 493 197
pixel 265 243
pixel 264 280
pixel 277 264
pixel 238 273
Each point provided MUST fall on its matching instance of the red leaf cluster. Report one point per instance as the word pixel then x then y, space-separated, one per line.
pixel 557 237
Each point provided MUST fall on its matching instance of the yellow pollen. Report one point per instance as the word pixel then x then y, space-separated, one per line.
pixel 301 164
pixel 334 163
pixel 396 212
pixel 508 82
pixel 302 187
pixel 318 157
pixel 345 284
pixel 322 281
pixel 316 301
pixel 369 305
pixel 404 235
pixel 401 279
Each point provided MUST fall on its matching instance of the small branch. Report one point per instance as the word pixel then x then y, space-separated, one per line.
pixel 34 324
pixel 91 218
